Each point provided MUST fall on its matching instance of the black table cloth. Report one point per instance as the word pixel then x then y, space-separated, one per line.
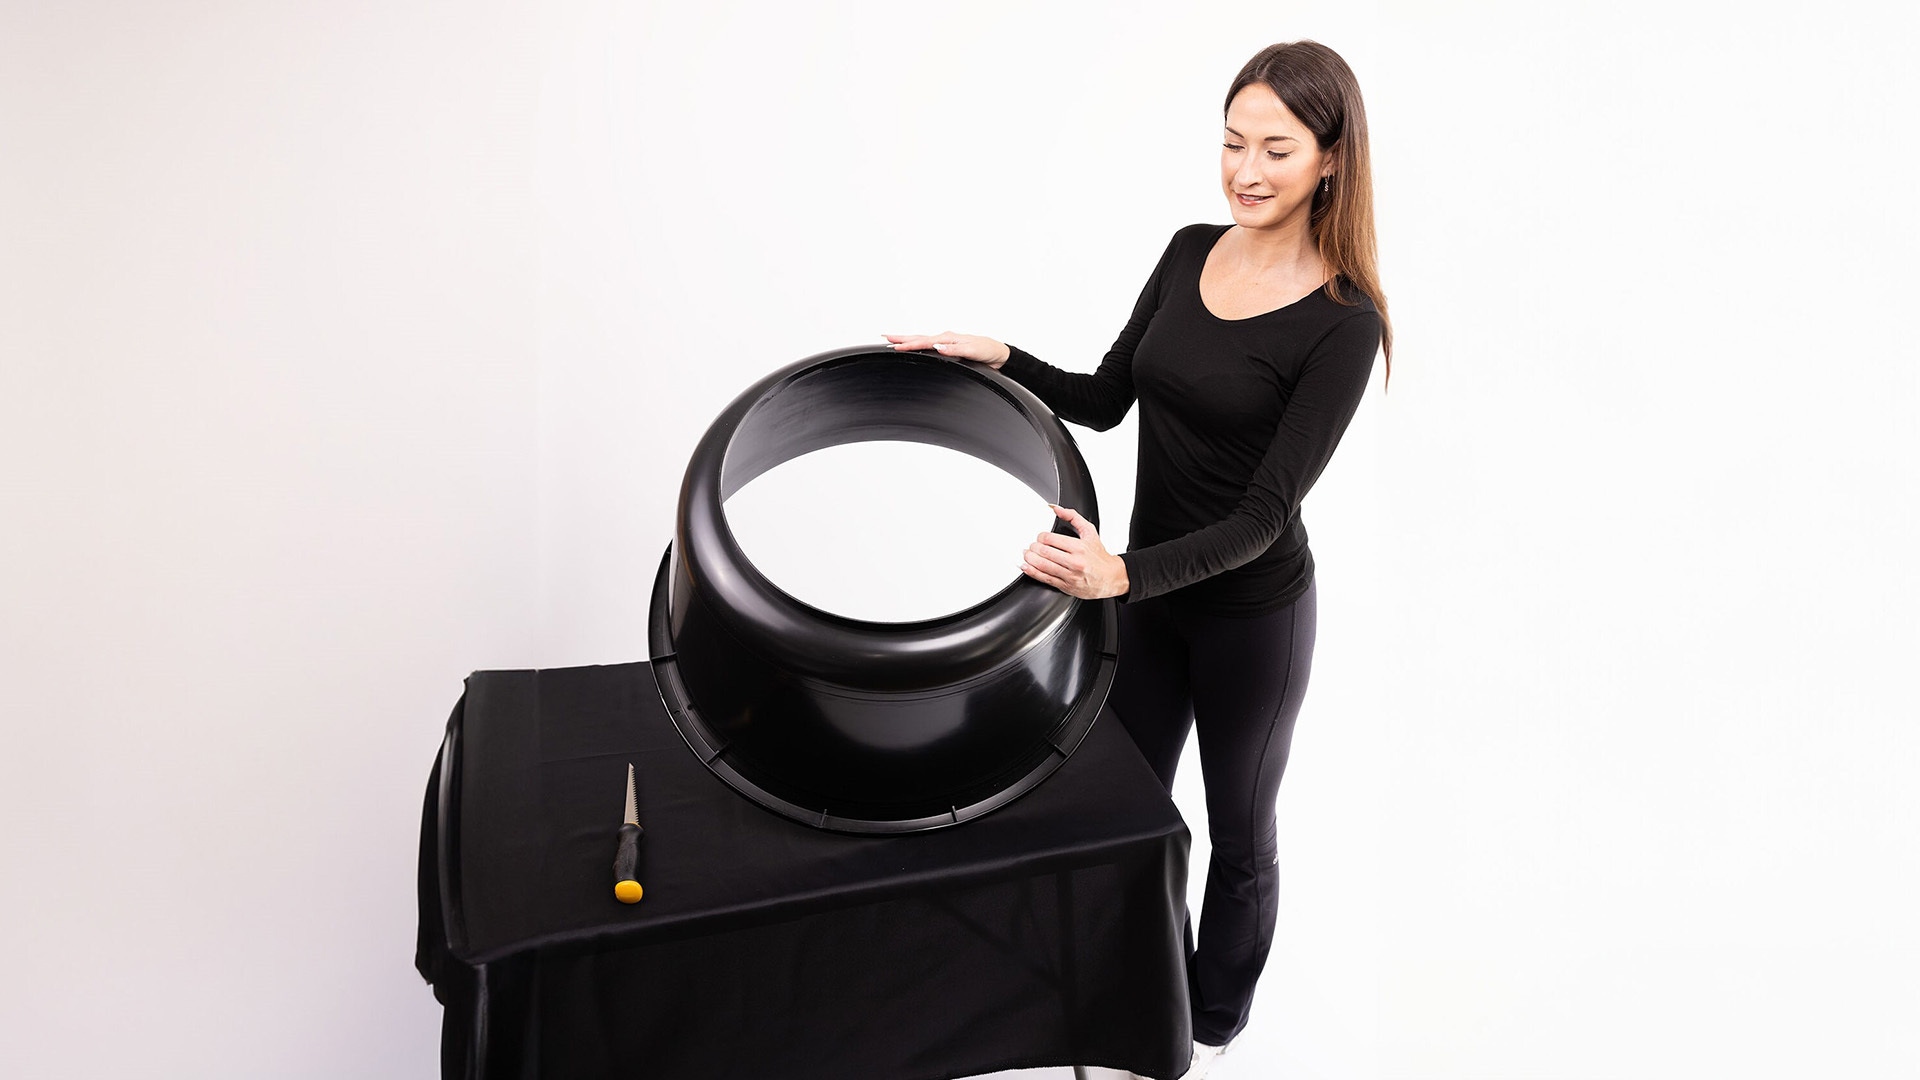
pixel 1046 933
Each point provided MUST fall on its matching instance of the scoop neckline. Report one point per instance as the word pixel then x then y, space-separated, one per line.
pixel 1257 315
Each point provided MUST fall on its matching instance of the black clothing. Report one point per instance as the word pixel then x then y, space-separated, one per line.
pixel 1237 418
pixel 1239 682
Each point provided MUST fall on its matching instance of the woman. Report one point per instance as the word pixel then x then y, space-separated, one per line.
pixel 1248 352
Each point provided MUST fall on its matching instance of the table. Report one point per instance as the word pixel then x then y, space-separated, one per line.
pixel 1046 933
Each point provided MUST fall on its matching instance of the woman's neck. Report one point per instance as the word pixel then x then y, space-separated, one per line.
pixel 1286 250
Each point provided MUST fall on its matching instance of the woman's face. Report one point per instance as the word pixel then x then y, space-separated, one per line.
pixel 1269 163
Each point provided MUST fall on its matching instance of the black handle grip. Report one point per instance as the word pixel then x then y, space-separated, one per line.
pixel 627 860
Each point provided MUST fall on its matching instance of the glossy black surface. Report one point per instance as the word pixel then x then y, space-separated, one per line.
pixel 863 726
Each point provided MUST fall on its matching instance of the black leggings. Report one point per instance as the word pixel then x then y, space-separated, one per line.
pixel 1240 683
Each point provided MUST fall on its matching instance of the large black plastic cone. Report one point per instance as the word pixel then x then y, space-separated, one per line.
pixel 861 726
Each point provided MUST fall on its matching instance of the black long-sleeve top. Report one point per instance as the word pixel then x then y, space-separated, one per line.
pixel 1237 419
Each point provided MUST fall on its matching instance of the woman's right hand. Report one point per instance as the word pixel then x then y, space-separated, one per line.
pixel 959 346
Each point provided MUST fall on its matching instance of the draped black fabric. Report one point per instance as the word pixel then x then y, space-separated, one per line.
pixel 1045 933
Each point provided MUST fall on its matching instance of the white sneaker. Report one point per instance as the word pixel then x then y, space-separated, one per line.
pixel 1203 1056
pixel 1101 1072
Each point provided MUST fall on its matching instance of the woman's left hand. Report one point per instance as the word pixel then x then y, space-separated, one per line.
pixel 1076 565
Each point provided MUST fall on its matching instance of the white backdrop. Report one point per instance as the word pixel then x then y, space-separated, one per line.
pixel 347 348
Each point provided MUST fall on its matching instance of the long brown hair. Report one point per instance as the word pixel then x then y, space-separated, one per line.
pixel 1317 86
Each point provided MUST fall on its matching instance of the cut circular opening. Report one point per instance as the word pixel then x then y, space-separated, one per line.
pixel 888 532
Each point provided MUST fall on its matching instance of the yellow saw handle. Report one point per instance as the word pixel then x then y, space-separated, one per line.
pixel 626 886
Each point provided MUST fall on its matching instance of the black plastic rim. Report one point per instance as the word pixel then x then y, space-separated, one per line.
pixel 869 727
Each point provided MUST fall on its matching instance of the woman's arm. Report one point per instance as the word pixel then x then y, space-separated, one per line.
pixel 1332 382
pixel 1099 400
pixel 1076 565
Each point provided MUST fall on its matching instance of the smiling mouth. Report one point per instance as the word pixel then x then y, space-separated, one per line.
pixel 1252 199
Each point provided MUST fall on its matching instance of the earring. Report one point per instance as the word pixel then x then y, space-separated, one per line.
pixel 1326 183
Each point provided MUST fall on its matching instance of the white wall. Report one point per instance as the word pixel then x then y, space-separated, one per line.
pixel 267 438
pixel 347 348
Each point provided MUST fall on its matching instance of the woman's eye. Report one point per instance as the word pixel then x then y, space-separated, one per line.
pixel 1277 155
pixel 1230 146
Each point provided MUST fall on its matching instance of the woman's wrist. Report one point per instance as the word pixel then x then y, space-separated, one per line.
pixel 1120 584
